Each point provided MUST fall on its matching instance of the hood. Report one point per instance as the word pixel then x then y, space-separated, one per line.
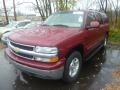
pixel 7 34
pixel 44 35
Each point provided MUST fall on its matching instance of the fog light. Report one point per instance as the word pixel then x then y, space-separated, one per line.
pixel 49 60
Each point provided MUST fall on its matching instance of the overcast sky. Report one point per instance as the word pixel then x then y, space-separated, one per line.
pixel 27 7
pixel 24 8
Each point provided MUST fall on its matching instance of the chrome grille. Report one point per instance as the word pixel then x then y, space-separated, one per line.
pixel 24 47
pixel 21 46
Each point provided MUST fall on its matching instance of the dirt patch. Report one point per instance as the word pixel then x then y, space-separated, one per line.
pixel 116 74
pixel 2 46
pixel 114 85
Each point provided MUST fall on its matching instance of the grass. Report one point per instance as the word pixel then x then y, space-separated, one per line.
pixel 114 36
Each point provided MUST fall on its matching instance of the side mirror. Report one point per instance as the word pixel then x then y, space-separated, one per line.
pixel 94 24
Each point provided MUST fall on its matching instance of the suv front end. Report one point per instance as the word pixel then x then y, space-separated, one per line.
pixel 41 61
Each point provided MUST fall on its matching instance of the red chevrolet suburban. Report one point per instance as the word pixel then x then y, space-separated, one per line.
pixel 57 49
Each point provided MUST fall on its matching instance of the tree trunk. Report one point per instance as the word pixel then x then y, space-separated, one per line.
pixel 66 4
pixel 6 16
pixel 106 5
pixel 14 7
pixel 41 14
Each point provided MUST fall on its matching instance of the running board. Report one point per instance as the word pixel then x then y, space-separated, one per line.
pixel 94 52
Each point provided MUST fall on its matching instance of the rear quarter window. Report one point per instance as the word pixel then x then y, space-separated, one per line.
pixel 105 18
pixel 98 17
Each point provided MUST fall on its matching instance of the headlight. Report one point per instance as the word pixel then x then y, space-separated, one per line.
pixel 46 50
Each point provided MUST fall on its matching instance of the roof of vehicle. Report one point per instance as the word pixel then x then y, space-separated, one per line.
pixel 84 11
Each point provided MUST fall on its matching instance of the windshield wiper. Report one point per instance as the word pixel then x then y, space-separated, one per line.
pixel 60 25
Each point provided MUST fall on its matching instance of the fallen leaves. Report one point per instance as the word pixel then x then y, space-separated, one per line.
pixel 116 74
pixel 1 45
pixel 115 85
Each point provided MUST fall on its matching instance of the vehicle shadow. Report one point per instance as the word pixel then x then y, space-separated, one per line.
pixel 88 75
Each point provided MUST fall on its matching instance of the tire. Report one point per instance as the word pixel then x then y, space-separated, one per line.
pixel 71 72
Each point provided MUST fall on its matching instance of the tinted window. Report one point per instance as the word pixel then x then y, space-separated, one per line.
pixel 90 18
pixel 99 18
pixel 104 18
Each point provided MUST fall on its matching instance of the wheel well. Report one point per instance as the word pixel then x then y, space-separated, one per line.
pixel 107 34
pixel 79 48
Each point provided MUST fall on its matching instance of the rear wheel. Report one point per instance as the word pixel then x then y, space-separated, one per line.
pixel 72 67
pixel 105 41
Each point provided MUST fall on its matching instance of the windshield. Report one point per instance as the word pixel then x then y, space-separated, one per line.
pixel 70 19
pixel 11 25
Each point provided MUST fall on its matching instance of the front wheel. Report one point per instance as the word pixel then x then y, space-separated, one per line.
pixel 72 67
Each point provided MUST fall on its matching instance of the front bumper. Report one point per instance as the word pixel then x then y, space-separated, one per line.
pixel 54 74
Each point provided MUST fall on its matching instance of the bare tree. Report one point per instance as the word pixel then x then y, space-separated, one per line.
pixel 47 7
pixel 103 4
pixel 64 5
pixel 44 7
pixel 5 11
pixel 115 10
pixel 14 7
pixel 41 7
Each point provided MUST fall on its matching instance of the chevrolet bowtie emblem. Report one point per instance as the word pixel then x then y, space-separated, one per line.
pixel 16 49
